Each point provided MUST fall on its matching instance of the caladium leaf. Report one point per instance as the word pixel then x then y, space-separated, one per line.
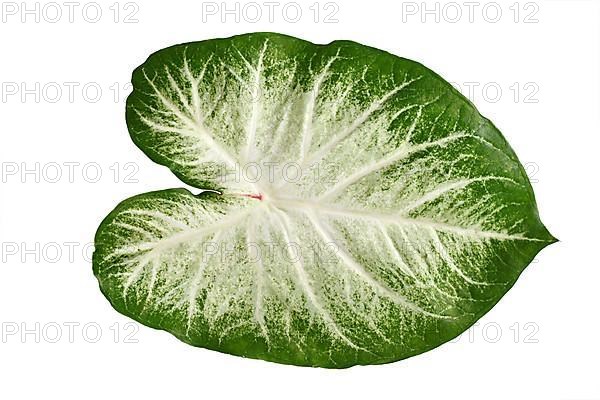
pixel 360 209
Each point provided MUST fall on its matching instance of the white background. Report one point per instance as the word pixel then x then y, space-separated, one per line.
pixel 548 348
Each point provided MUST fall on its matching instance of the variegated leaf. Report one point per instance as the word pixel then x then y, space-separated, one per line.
pixel 360 209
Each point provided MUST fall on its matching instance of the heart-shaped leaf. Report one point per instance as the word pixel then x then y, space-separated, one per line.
pixel 361 210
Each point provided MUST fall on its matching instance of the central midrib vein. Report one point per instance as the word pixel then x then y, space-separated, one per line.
pixel 307 205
